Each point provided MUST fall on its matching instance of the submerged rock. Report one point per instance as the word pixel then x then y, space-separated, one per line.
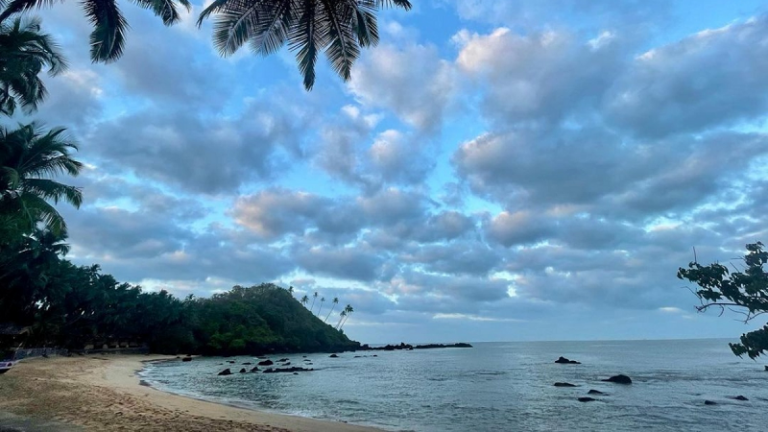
pixel 243 370
pixel 586 399
pixel 187 359
pixel 619 379
pixel 564 384
pixel 225 372
pixel 266 363
pixel 563 360
pixel 283 360
pixel 247 364
pixel 709 402
pixel 255 369
pixel 595 392
pixel 334 355
pixel 231 361
pixel 738 398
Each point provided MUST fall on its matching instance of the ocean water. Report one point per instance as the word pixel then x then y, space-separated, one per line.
pixel 500 387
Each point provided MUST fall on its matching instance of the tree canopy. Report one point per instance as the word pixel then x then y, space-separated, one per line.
pixel 340 28
pixel 743 290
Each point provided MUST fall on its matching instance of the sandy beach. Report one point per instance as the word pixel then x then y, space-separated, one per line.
pixel 103 393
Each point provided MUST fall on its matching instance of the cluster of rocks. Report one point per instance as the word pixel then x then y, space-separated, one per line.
pixel 408 347
pixel 267 362
pixel 620 379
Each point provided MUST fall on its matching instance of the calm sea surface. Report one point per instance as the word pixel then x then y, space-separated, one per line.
pixel 500 387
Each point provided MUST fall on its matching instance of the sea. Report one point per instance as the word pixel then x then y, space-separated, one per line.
pixel 498 387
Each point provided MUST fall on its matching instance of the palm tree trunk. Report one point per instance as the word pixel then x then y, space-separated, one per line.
pixel 329 312
pixel 313 304
pixel 319 309
pixel 346 318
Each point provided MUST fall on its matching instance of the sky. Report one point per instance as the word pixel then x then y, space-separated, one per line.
pixel 492 171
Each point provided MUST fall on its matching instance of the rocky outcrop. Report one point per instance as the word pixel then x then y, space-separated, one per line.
pixel 738 398
pixel 595 392
pixel 187 359
pixel 619 379
pixel 709 402
pixel 243 370
pixel 255 369
pixel 564 384
pixel 266 363
pixel 334 355
pixel 225 372
pixel 282 360
pixel 563 360
pixel 432 346
pixel 288 370
pixel 586 399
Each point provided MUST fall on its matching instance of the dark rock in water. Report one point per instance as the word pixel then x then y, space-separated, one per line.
pixel 231 361
pixel 288 370
pixel 187 359
pixel 295 373
pixel 586 399
pixel 225 372
pixel 141 383
pixel 287 364
pixel 563 360
pixel 375 355
pixel 283 360
pixel 619 379
pixel 738 398
pixel 266 363
pixel 595 392
pixel 303 356
pixel 766 368
pixel 243 370
pixel 333 356
pixel 431 346
pixel 358 356
pixel 564 384
pixel 255 369
pixel 709 402
pixel 247 364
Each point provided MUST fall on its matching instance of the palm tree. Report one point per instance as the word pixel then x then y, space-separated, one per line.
pixel 335 302
pixel 24 53
pixel 109 25
pixel 338 27
pixel 314 297
pixel 322 300
pixel 348 309
pixel 290 290
pixel 342 315
pixel 29 158
pixel 304 300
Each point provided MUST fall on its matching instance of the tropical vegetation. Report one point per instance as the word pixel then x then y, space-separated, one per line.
pixel 743 290
pixel 340 28
pixel 77 307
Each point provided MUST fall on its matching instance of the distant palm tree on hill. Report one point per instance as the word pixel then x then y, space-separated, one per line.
pixel 348 311
pixel 290 290
pixel 314 297
pixel 305 300
pixel 322 300
pixel 342 315
pixel 335 302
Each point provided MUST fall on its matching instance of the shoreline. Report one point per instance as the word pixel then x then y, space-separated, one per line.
pixel 105 393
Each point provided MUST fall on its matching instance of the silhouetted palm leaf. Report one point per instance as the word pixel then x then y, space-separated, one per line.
pixel 338 27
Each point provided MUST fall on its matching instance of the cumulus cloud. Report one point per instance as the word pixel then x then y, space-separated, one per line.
pixel 412 81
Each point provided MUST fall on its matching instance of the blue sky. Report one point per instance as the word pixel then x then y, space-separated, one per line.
pixel 532 170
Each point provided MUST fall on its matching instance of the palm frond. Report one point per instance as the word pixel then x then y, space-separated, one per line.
pixel 305 39
pixel 342 50
pixel 109 26
pixel 165 9
pixel 20 6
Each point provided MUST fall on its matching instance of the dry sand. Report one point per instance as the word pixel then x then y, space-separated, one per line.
pixel 102 393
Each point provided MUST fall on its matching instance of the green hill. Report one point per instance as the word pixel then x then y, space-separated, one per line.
pixel 259 319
